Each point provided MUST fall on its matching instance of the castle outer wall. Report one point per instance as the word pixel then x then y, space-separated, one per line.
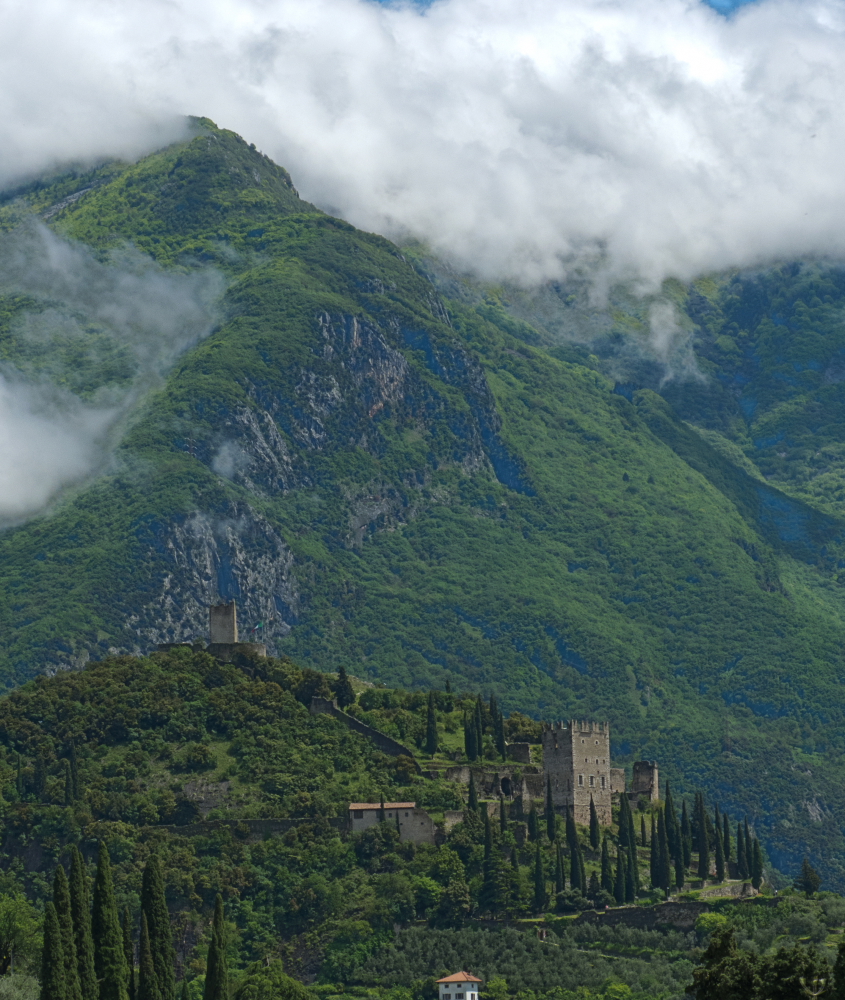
pixel 576 761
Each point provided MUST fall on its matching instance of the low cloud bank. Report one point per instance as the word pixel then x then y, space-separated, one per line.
pixel 93 338
pixel 658 138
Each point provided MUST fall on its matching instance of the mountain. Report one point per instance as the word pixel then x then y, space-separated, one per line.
pixel 426 489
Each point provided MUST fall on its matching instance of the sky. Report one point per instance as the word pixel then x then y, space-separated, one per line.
pixel 640 139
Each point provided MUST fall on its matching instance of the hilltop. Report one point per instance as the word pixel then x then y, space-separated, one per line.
pixel 420 488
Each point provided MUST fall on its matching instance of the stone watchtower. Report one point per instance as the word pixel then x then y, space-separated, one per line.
pixel 223 623
pixel 576 759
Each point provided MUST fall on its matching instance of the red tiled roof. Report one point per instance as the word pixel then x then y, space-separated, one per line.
pixel 459 977
pixel 387 805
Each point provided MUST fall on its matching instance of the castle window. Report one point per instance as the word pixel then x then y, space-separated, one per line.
pixel 592 781
pixel 581 780
pixel 602 781
pixel 597 742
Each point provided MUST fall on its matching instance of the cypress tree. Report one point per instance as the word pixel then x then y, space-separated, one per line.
pixel 703 846
pixel 720 851
pixel 473 793
pixel 756 864
pixel 634 865
pixel 479 728
pixel 560 878
pixel 624 809
pixel 217 974
pixel 539 881
pixel 593 887
pixel 621 877
pixel 726 838
pixel 748 846
pixel 680 874
pixel 488 836
pixel 643 839
pixel 664 870
pixel 469 739
pixel 533 824
pixel 108 937
pixel 686 837
pixel 61 900
pixel 184 994
pixel 129 952
pixel 595 830
pixel 147 977
pixel 53 982
pixel 80 906
pixel 653 863
pixel 575 871
pixel 571 832
pixel 430 726
pixel 343 690
pixel 550 810
pixel 741 857
pixel 606 868
pixel 503 816
pixel 154 905
pixel 581 872
pixel 673 830
pixel 630 883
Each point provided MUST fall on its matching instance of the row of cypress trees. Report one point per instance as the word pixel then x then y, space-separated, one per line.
pixel 474 728
pixel 88 948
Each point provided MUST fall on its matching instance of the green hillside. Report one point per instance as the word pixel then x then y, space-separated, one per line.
pixel 414 487
pixel 221 773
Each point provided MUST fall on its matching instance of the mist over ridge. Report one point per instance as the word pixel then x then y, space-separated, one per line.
pixel 661 139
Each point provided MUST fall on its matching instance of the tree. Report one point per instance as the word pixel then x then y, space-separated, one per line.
pixel 673 830
pixel 129 952
pixel 342 688
pixel 576 866
pixel 109 962
pixel 838 991
pixel 473 793
pixel 595 830
pixel 53 982
pixel 147 977
pixel 68 785
pixel 726 838
pixel 808 880
pixel 154 905
pixel 74 771
pixel 80 906
pixel 686 836
pixel 725 972
pixel 630 880
pixel 217 973
pixel 741 855
pixel 19 931
pixel 503 816
pixel 61 900
pixel 540 896
pixel 621 879
pixel 430 726
pixel 702 845
pixel 757 865
pixel 643 838
pixel 606 868
pixel 664 870
pixel 654 856
pixel 469 738
pixel 720 851
pixel 478 720
pixel 550 810
pixel 624 829
pixel 680 872
pixel 560 877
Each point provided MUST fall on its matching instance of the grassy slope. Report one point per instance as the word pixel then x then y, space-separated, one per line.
pixel 628 571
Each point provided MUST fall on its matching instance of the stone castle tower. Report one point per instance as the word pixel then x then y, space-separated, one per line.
pixel 576 759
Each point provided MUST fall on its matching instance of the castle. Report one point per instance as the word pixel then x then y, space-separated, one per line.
pixel 576 768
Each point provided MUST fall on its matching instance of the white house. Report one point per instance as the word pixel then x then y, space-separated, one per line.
pixel 459 986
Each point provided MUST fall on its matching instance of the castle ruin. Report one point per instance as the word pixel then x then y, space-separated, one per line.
pixel 576 766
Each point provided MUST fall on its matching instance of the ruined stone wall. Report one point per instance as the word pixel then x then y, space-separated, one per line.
pixel 576 762
pixel 645 782
pixel 322 706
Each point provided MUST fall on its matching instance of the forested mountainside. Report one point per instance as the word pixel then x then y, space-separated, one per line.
pixel 218 776
pixel 418 488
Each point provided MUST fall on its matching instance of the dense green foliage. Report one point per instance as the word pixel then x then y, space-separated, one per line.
pixel 452 499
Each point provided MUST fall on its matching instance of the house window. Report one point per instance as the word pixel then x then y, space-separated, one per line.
pixel 447 996
pixel 406 814
pixel 592 781
pixel 459 996
pixel 581 779
pixel 358 813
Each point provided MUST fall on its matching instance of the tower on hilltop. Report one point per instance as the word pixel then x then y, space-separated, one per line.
pixel 576 761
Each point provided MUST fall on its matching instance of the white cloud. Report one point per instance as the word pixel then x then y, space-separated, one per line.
pixel 49 437
pixel 509 135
